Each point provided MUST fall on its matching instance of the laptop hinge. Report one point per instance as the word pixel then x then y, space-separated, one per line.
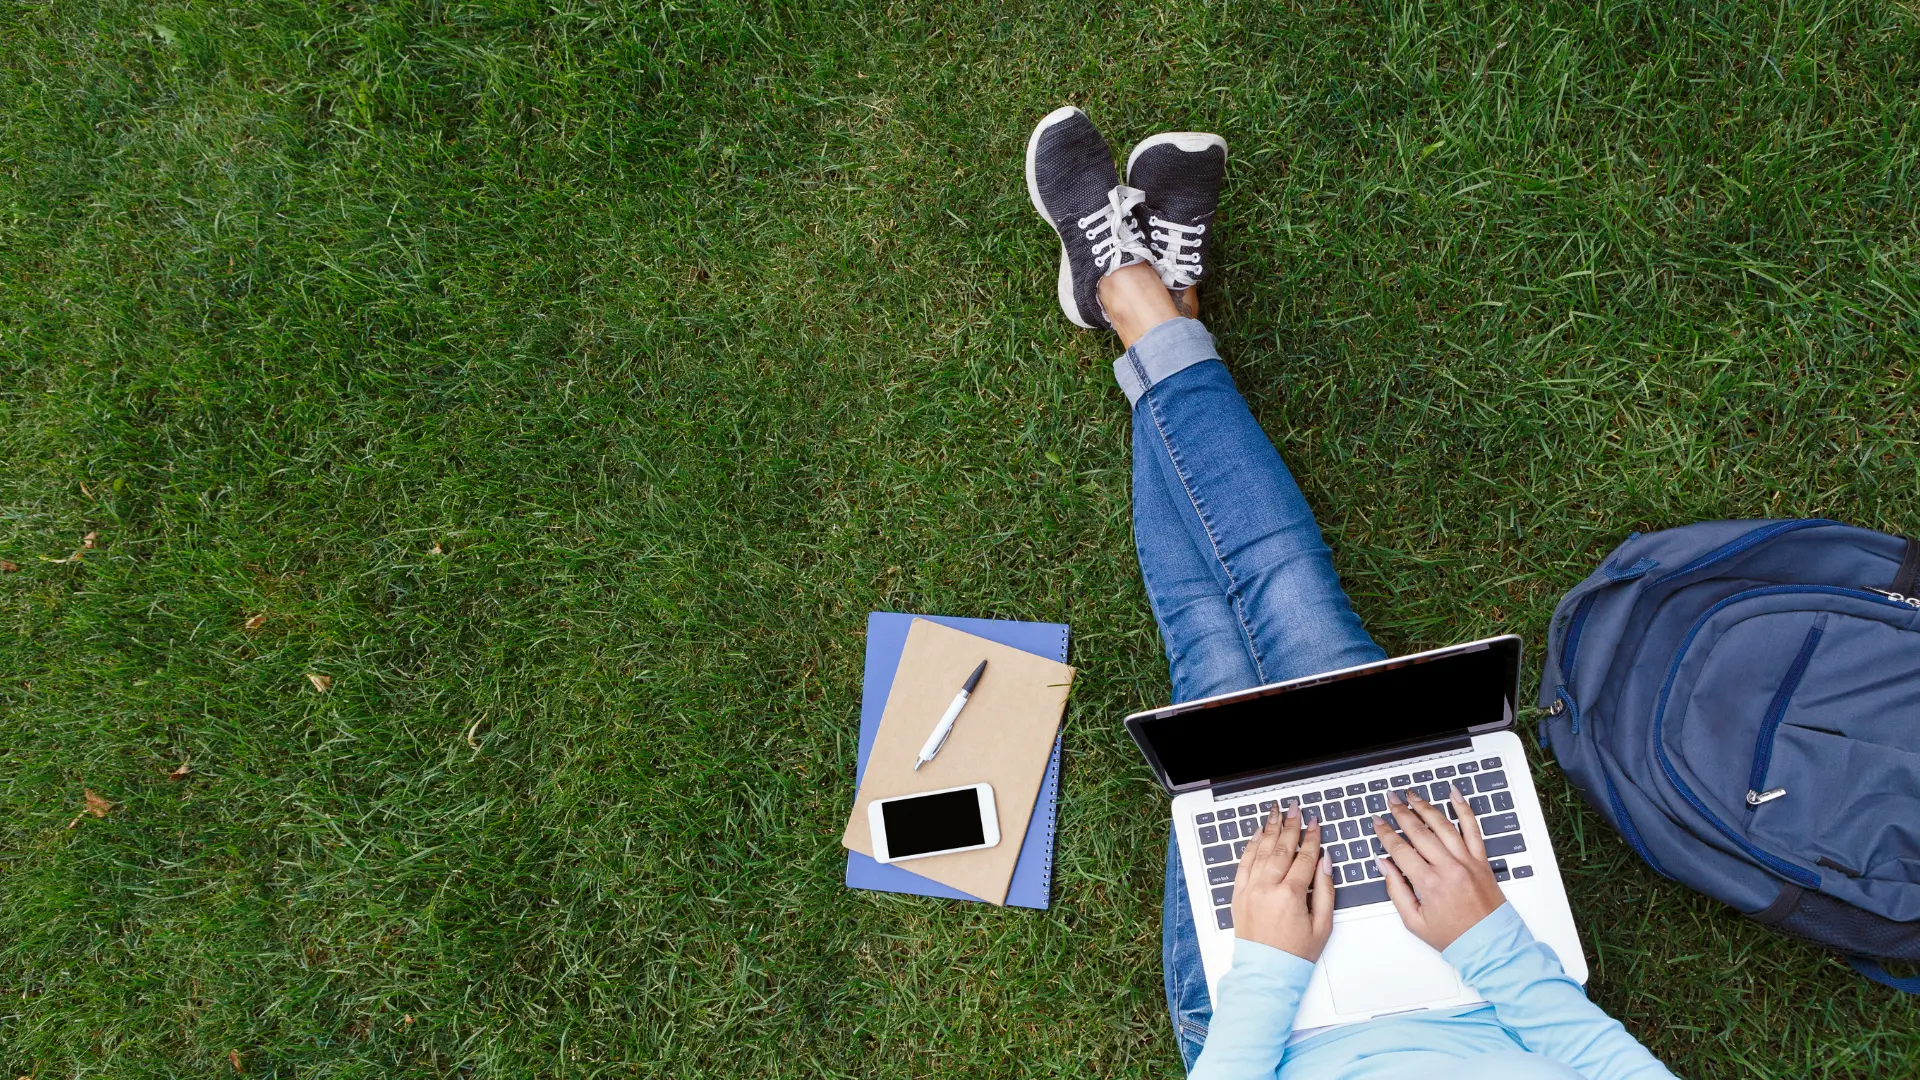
pixel 1359 761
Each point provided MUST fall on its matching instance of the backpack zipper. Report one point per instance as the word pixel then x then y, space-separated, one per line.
pixel 1910 601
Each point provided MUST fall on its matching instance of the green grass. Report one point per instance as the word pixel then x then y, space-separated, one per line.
pixel 690 334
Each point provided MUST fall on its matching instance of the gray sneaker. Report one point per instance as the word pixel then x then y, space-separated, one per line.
pixel 1072 182
pixel 1182 173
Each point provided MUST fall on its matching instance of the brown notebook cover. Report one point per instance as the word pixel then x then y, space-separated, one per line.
pixel 1003 738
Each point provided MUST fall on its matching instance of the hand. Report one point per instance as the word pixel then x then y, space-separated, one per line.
pixel 1446 866
pixel 1280 868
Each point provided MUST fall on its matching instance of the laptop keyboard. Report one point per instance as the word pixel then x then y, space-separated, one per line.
pixel 1344 814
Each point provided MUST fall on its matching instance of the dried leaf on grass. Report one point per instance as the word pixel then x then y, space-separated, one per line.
pixel 256 622
pixel 8 567
pixel 436 549
pixel 179 773
pixel 234 1056
pixel 96 805
pixel 321 683
pixel 86 545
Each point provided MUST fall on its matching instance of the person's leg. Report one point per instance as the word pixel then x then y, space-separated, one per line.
pixel 1241 583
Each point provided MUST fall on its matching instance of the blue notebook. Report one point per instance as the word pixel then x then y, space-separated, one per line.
pixel 886 639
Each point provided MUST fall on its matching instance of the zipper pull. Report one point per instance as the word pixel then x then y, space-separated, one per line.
pixel 1755 798
pixel 1910 601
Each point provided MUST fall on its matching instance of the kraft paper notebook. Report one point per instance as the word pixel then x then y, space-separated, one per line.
pixel 1023 765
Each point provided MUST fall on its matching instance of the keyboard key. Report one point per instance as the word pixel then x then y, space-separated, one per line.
pixel 1249 810
pixel 1376 785
pixel 1503 800
pixel 1311 815
pixel 1443 772
pixel 1468 767
pixel 1203 818
pixel 1402 780
pixel 1373 870
pixel 1501 875
pixel 1392 822
pixel 1492 781
pixel 1499 823
pixel 1371 892
pixel 1440 792
pixel 1334 793
pixel 1489 762
pixel 1464 785
pixel 1356 789
pixel 1223 895
pixel 1355 807
pixel 1358 850
pixel 1289 802
pixel 1224 916
pixel 1377 804
pixel 1239 848
pixel 1220 875
pixel 1378 847
pixel 1423 777
pixel 1328 834
pixel 1481 805
pixel 1349 829
pixel 1366 826
pixel 1452 814
pixel 1229 830
pixel 1332 811
pixel 1355 872
pixel 1209 834
pixel 1337 853
pixel 1267 807
pixel 1505 845
pixel 1496 864
pixel 1523 871
pixel 1310 797
pixel 1219 853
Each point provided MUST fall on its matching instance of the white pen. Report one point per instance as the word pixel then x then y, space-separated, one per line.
pixel 945 727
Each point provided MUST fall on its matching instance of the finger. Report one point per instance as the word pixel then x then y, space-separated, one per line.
pixel 1403 853
pixel 1271 842
pixel 1469 829
pixel 1435 814
pixel 1322 898
pixel 1300 873
pixel 1419 829
pixel 1287 828
pixel 1401 894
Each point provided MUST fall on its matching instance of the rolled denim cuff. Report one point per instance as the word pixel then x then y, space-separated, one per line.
pixel 1172 346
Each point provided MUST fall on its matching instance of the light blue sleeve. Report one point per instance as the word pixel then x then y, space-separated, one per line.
pixel 1533 997
pixel 1253 1018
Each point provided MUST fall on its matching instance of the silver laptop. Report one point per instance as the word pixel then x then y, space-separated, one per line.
pixel 1335 744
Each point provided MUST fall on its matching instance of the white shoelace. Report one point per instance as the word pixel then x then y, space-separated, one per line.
pixel 1179 265
pixel 1113 231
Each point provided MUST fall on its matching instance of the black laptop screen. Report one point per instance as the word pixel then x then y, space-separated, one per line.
pixel 1346 716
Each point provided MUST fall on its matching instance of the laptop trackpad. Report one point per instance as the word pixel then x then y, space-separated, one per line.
pixel 1375 966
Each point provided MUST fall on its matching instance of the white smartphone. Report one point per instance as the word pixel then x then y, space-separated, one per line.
pixel 933 823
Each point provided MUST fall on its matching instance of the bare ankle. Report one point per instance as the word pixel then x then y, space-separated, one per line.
pixel 1135 302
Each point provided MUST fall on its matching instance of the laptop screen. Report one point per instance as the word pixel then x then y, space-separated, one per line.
pixel 1371 709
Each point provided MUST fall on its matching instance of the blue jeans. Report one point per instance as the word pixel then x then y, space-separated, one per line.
pixel 1241 583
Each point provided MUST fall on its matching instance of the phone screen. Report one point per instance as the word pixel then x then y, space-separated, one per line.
pixel 926 823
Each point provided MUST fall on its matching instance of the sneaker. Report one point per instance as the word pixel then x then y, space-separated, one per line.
pixel 1072 182
pixel 1181 172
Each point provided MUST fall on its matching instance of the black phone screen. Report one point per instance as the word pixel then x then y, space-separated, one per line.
pixel 921 824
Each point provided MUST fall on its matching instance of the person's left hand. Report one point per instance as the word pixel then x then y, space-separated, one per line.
pixel 1270 894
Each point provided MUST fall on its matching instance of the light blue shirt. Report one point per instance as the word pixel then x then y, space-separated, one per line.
pixel 1537 1023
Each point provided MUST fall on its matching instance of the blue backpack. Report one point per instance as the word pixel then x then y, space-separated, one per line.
pixel 1741 701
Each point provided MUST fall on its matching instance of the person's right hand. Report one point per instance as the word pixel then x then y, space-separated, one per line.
pixel 1447 867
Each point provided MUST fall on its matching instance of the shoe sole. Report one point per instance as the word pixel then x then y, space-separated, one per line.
pixel 1192 142
pixel 1063 283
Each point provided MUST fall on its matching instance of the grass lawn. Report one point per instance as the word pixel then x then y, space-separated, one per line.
pixel 567 380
